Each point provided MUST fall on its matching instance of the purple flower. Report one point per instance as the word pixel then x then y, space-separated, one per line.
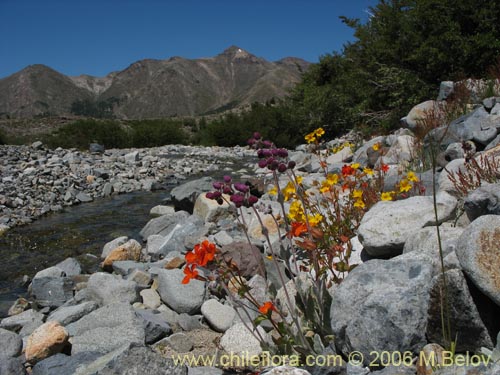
pixel 217 185
pixel 291 164
pixel 252 199
pixel 262 163
pixel 267 144
pixel 257 136
pixel 281 167
pixel 227 190
pixel 210 195
pixel 238 199
pixel 283 153
pixel 241 187
pixel 227 179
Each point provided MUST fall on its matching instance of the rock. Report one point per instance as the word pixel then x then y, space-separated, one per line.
pixel 182 298
pixel 361 154
pixel 220 317
pixel 176 262
pixel 16 322
pixel 46 340
pixel 130 250
pixel 419 112
pixel 134 359
pixel 153 246
pixel 155 326
pixel 444 181
pixel 107 189
pixel 37 145
pixel 62 364
pixel 125 267
pixel 106 289
pixel 485 200
pixel 445 89
pixel 477 251
pixel 161 210
pixel 70 267
pixel 20 305
pixel 69 314
pixel 466 324
pixel 106 329
pixel 12 366
pixel 184 196
pixel 96 148
pixel 150 298
pixel 211 211
pixel 132 157
pixel 164 224
pixel 110 246
pixel 180 342
pixel 223 238
pixel 432 353
pixel 387 225
pixel 83 197
pixel 362 318
pixel 11 344
pixel 240 341
pixel 142 278
pixel 49 272
pixel 401 150
pixel 192 229
pixel 189 322
pixel 247 257
pixel 52 291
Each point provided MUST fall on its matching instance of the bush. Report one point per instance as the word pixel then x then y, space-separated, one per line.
pixel 151 133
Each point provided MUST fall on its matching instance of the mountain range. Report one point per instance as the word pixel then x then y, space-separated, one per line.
pixel 153 88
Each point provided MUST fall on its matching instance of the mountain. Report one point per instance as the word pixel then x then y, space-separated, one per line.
pixel 155 88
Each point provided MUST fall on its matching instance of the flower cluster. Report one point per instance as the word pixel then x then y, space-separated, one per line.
pixel 342 146
pixel 238 192
pixel 200 256
pixel 315 135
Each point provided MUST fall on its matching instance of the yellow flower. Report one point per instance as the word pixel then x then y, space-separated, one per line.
pixel 325 186
pixel 332 178
pixel 404 185
pixel 296 212
pixel 355 166
pixel 273 191
pixel 310 138
pixel 368 171
pixel 314 219
pixel 359 203
pixel 387 196
pixel 411 176
pixel 299 180
pixel 289 191
pixel 376 147
pixel 357 194
pixel 319 132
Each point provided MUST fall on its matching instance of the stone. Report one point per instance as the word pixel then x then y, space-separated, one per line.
pixel 134 359
pixel 106 289
pixel 220 317
pixel 205 370
pixel 419 112
pixel 382 305
pixel 46 340
pixel 184 196
pixel 211 211
pixel 132 157
pixel 125 267
pixel 37 145
pixel 107 189
pixel 96 148
pixel 11 344
pixel 182 298
pixel 62 364
pixel 52 291
pixel 153 246
pixel 106 329
pixel 387 225
pixel 189 322
pixel 84 197
pixel 485 200
pixel 239 341
pixel 467 326
pixel 191 228
pixel 150 298
pixel 361 154
pixel 155 326
pixel 401 150
pixel 12 366
pixel 20 305
pixel 477 251
pixel 444 181
pixel 223 238
pixel 28 317
pixel 161 210
pixel 70 267
pixel 142 278
pixel 69 314
pixel 247 257
pixel 50 272
pixel 445 89
pixel 164 224
pixel 130 250
pixel 113 245
pixel 180 342
pixel 176 262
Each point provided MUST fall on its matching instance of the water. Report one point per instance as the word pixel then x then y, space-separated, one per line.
pixel 74 232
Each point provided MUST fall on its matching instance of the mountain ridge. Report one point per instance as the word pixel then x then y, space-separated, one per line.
pixel 150 88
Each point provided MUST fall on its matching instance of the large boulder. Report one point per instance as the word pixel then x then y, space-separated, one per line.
pixel 164 224
pixel 24 319
pixel 105 289
pixel 211 211
pixel 220 317
pixel 182 298
pixel 62 364
pixel 11 344
pixel 247 257
pixel 184 196
pixel 382 305
pixel 130 250
pixel 387 225
pixel 477 251
pixel 52 291
pixel 106 329
pixel 46 340
pixel 69 314
pixel 485 200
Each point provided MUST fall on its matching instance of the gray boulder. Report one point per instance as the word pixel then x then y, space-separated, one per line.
pixel 477 251
pixel 485 200
pixel 70 266
pixel 220 317
pixel 106 329
pixel 12 366
pixel 17 322
pixel 163 225
pixel 466 323
pixel 155 326
pixel 387 225
pixel 69 314
pixel 382 305
pixel 62 364
pixel 52 291
pixel 11 344
pixel 192 228
pixel 182 298
pixel 105 289
pixel 184 196
pixel 110 246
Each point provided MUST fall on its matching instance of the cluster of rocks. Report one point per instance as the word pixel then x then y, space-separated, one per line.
pixel 35 180
pixel 135 314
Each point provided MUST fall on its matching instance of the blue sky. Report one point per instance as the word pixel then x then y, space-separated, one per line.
pixel 97 37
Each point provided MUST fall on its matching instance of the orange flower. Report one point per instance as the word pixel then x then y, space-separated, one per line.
pixel 201 254
pixel 298 229
pixel 347 170
pixel 384 168
pixel 266 307
pixel 190 272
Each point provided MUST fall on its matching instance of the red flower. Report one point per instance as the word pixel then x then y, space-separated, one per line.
pixel 202 254
pixel 298 229
pixel 266 307
pixel 347 170
pixel 190 272
pixel 384 168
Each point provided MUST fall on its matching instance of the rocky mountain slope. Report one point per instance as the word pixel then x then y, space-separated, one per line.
pixel 154 88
